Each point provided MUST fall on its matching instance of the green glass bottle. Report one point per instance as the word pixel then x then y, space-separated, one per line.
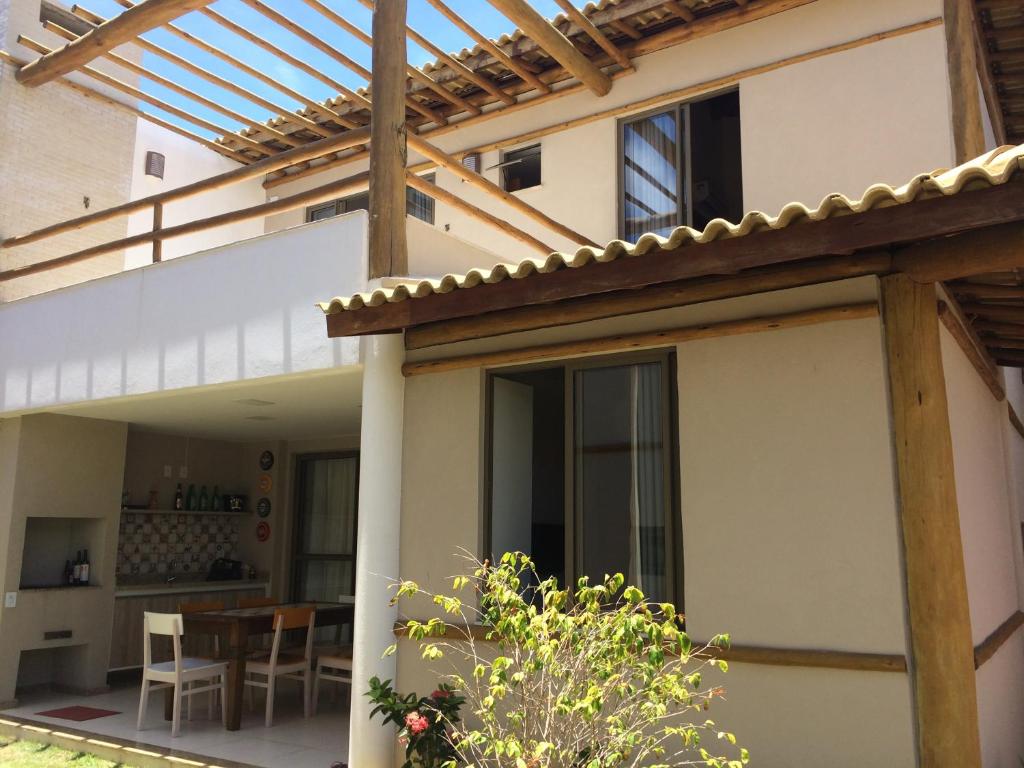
pixel 190 498
pixel 218 502
pixel 204 500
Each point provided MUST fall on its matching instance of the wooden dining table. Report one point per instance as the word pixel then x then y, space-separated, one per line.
pixel 234 628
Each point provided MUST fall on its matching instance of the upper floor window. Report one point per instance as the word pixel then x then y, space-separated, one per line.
pixel 581 470
pixel 681 165
pixel 416 204
pixel 520 169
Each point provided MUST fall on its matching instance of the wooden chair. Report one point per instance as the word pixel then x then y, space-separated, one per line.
pixel 200 607
pixel 275 664
pixel 178 674
pixel 336 667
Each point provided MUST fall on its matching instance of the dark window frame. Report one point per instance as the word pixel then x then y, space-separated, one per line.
pixel 339 206
pixel 684 196
pixel 512 157
pixel 299 558
pixel 675 570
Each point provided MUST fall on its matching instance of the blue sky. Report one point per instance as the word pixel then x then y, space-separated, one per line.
pixel 422 17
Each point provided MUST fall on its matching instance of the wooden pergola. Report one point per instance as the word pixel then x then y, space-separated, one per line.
pixel 400 108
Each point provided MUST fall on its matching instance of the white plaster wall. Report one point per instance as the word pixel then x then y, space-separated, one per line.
pixel 242 311
pixel 788 511
pixel 187 162
pixel 835 124
pixel 989 526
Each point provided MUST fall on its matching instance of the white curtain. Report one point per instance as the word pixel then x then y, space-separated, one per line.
pixel 329 525
pixel 647 566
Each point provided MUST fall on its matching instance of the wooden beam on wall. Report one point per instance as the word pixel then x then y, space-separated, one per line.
pixel 972 348
pixel 938 610
pixel 595 34
pixel 389 253
pixel 521 13
pixel 449 198
pixel 642 340
pixel 452 165
pixel 119 30
pixel 992 249
pixel 962 66
pixel 991 644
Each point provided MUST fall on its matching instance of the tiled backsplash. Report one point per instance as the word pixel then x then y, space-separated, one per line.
pixel 161 545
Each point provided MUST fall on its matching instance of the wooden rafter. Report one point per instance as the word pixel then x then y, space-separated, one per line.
pixel 340 21
pixel 238 64
pixel 121 29
pixel 169 84
pixel 228 85
pixel 555 43
pixel 491 47
pixel 595 34
pixel 135 93
pixel 454 64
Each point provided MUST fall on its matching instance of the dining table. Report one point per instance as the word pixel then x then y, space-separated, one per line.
pixel 234 627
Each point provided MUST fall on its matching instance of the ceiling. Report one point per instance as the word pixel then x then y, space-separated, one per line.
pixel 281 408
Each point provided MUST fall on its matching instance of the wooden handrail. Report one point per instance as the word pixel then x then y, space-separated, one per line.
pixel 309 197
pixel 347 140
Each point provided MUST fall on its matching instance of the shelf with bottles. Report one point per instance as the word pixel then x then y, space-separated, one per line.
pixel 219 512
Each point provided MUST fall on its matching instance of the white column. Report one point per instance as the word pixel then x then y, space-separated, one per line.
pixel 371 745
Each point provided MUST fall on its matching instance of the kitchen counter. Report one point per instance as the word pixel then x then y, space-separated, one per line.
pixel 189 587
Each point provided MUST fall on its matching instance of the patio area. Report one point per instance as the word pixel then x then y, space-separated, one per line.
pixel 316 742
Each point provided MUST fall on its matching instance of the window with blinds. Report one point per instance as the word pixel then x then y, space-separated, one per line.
pixel 416 204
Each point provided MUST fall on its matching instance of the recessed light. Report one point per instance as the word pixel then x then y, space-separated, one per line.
pixel 253 401
pixel 259 418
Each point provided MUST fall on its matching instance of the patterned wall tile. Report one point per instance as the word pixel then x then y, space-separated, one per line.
pixel 174 544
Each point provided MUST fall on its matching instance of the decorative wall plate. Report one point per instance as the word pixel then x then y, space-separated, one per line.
pixel 266 460
pixel 265 483
pixel 262 530
pixel 263 507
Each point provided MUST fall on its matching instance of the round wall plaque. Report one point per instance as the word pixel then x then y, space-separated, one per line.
pixel 263 507
pixel 265 483
pixel 262 531
pixel 266 460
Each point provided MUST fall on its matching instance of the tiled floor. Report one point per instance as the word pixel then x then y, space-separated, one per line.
pixel 293 740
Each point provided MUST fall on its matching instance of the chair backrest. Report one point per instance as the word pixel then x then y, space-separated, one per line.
pixel 198 607
pixel 293 618
pixel 162 624
pixel 256 602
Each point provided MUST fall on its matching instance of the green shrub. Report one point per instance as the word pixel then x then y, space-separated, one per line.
pixel 599 678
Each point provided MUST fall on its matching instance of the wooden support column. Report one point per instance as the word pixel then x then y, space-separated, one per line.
pixel 962 62
pixel 158 224
pixel 388 250
pixel 940 623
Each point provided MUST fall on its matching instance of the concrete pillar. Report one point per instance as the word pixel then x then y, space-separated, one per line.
pixel 377 552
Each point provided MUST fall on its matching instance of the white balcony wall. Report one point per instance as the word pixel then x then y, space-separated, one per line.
pixel 185 163
pixel 239 312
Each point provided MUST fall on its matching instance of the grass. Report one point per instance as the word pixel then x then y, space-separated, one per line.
pixel 29 754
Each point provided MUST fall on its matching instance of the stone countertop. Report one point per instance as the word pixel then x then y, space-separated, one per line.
pixel 185 587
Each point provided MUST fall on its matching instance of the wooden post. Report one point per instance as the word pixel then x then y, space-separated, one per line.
pixel 962 63
pixel 158 224
pixel 388 249
pixel 940 623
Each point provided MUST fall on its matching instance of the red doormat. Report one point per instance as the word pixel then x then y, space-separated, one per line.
pixel 78 714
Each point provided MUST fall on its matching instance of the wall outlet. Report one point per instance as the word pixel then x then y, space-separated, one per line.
pixel 182 471
pixel 167 471
pixel 10 600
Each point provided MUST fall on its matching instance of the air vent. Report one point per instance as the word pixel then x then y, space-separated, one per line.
pixel 472 162
pixel 155 164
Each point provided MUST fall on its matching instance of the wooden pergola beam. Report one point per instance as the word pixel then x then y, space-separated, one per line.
pixel 595 34
pixel 122 29
pixel 170 85
pixel 229 85
pixel 521 13
pixel 491 47
pixel 388 251
pixel 135 93
pixel 452 164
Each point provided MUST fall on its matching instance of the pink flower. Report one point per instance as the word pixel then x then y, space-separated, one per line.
pixel 416 723
pixel 441 694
